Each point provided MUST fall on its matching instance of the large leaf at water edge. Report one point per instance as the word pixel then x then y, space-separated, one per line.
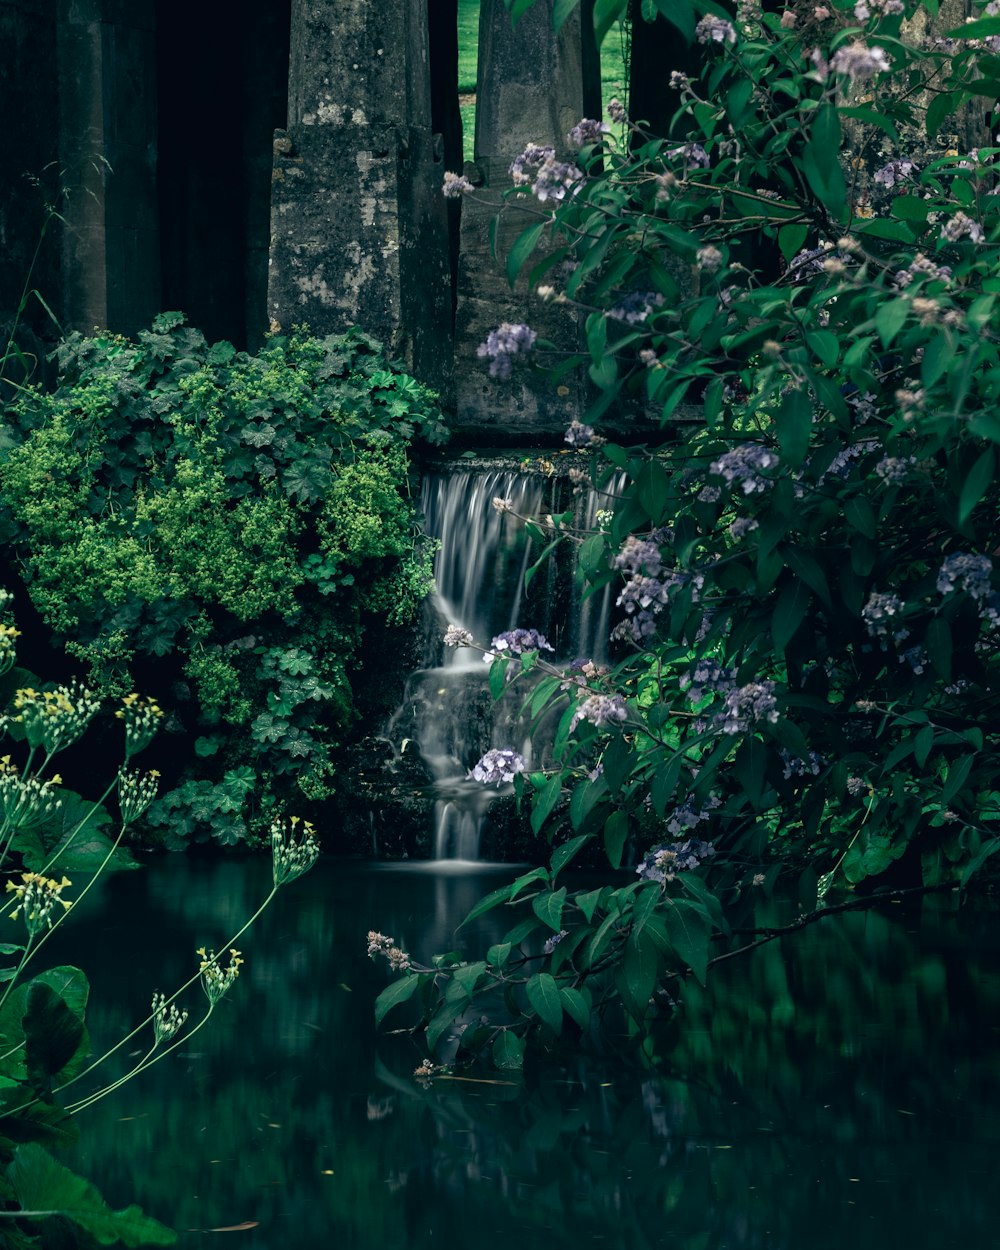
pixel 45 1186
pixel 393 994
pixel 508 1051
pixel 53 1035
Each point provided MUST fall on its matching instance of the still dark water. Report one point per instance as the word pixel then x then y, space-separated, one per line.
pixel 840 1091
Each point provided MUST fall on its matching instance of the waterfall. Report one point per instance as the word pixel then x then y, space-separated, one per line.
pixel 447 712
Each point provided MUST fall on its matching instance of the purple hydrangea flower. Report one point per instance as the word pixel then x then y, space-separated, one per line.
pixel 516 642
pixel 878 614
pixel 498 767
pixel 712 29
pixel 663 863
pixel 599 709
pixel 578 434
pixel 743 467
pixel 455 186
pixel 635 307
pixel 456 636
pixel 969 573
pixel 587 131
pixel 503 344
pixel 857 61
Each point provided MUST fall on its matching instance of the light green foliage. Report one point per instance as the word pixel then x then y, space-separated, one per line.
pixel 806 687
pixel 176 501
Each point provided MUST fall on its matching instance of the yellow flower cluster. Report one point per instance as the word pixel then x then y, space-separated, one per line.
pixel 54 719
pixel 25 800
pixel 8 651
pixel 142 718
pixel 293 850
pixel 37 897
pixel 135 792
pixel 215 979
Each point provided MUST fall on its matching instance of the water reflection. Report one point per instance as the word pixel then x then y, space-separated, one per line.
pixel 844 1086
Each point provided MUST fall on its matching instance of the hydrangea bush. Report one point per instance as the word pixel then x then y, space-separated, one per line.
pixel 804 561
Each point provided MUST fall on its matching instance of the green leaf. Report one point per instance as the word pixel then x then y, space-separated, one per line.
pixel 508 1051
pixel 498 954
pixel 498 677
pixel 789 613
pixel 890 319
pixel 690 932
pixel 42 1184
pixel 576 1005
pixel 794 424
pixel 443 1019
pixel 587 902
pixel 52 1034
pixel 923 745
pixel 825 344
pixel 564 853
pixel 938 643
pixel 543 995
pixel 494 899
pixel 858 512
pixel 958 775
pixel 615 835
pixel 549 908
pixel 561 11
pixel 820 162
pixel 791 238
pixel 637 975
pixel 978 481
pixel 544 801
pixel 395 993
pixel 749 766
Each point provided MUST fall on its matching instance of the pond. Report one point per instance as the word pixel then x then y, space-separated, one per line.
pixel 841 1087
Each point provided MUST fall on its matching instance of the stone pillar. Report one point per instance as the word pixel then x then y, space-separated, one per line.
pixel 533 87
pixel 107 152
pixel 358 222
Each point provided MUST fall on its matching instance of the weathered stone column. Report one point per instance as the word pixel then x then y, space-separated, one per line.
pixel 107 151
pixel 533 87
pixel 358 222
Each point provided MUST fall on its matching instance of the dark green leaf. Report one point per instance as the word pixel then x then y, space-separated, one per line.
pixel 508 1051
pixel 543 995
pixel 395 993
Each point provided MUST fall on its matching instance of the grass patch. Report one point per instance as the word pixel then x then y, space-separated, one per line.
pixel 613 72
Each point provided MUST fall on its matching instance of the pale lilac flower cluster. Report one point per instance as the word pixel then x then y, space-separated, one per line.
pixel 498 767
pixel 643 598
pixel 709 258
pixel 879 615
pixel 922 266
pixel 689 816
pixel 712 29
pixel 895 171
pixel 857 61
pixel 708 677
pixel 455 186
pixel 549 178
pixel 456 636
pixel 746 706
pixel 379 944
pixel 503 344
pixel 552 942
pixel 636 307
pixel 969 573
pixel 856 787
pixel 599 710
pixel 578 434
pixel 742 526
pixel 587 131
pixel 796 766
pixel 516 642
pixel 865 407
pixel 693 154
pixel 663 863
pixel 840 465
pixel 679 81
pixel 639 554
pixel 917 658
pixel 744 465
pixel 895 469
pixel 962 226
pixel 616 111
pixel 883 8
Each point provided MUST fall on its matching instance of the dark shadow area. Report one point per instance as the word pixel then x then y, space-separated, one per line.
pixel 222 90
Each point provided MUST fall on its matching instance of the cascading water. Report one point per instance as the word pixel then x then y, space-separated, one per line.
pixel 447 712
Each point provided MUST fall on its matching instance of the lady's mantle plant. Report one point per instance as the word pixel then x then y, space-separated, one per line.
pixel 805 686
pixel 221 524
